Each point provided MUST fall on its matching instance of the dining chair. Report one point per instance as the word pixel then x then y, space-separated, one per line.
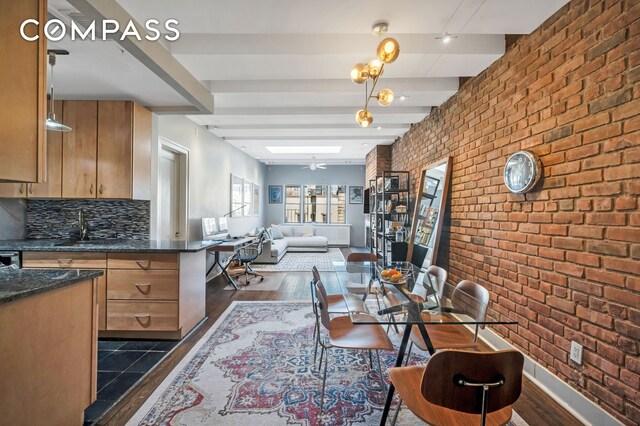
pixel 365 257
pixel 336 304
pixel 468 297
pixel 434 275
pixel 461 387
pixel 344 334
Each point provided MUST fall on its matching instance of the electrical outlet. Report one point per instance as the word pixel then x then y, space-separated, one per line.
pixel 576 352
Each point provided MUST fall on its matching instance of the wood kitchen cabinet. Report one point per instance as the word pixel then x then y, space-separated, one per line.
pixel 52 187
pixel 23 96
pixel 108 154
pixel 80 149
pixel 124 150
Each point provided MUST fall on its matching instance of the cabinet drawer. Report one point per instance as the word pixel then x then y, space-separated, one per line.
pixel 64 260
pixel 142 285
pixel 145 316
pixel 143 261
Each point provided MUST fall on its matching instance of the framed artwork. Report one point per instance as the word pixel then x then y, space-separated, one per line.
pixel 247 203
pixel 236 196
pixel 392 183
pixel 275 194
pixel 256 200
pixel 356 195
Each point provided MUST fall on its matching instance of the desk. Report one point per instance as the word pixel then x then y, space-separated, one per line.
pixel 438 303
pixel 231 246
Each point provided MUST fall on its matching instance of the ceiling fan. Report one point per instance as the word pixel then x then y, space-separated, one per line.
pixel 315 166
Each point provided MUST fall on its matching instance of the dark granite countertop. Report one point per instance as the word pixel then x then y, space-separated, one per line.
pixel 20 283
pixel 111 246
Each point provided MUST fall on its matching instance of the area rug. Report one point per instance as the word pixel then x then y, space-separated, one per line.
pixel 254 367
pixel 304 261
pixel 272 282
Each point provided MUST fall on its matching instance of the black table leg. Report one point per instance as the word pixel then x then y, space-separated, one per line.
pixel 224 270
pixel 399 359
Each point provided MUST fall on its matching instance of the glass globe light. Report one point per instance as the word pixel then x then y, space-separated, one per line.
pixel 359 73
pixel 385 97
pixel 388 50
pixel 375 68
pixel 364 118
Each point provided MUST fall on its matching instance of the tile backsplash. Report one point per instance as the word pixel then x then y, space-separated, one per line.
pixel 106 218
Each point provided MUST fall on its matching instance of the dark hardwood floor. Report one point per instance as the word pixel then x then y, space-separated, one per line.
pixel 536 407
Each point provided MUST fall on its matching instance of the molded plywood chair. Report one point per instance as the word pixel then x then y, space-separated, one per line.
pixel 435 277
pixel 336 304
pixel 461 387
pixel 344 334
pixel 364 257
pixel 467 296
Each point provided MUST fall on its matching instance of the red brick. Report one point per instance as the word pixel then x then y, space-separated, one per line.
pixel 607 188
pixel 583 258
pixel 594 317
pixel 628 171
pixel 591 121
pixel 595 232
pixel 606 218
pixel 607 248
pixel 624 234
pixel 605 277
pixel 623 265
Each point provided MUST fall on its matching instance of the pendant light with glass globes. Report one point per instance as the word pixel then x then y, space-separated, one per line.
pixel 52 123
pixel 387 52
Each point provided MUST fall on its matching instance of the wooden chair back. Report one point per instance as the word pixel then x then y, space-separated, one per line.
pixel 321 294
pixel 475 305
pixel 316 274
pixel 444 369
pixel 362 257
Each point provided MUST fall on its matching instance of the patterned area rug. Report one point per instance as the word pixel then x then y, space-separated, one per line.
pixel 253 367
pixel 304 261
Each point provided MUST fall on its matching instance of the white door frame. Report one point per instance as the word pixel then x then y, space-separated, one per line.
pixel 183 156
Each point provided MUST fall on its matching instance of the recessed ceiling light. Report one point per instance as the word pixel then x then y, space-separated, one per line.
pixel 243 147
pixel 365 144
pixel 446 38
pixel 402 97
pixel 304 149
pixel 379 127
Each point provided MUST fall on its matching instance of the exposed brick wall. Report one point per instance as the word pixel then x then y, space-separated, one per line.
pixel 564 259
pixel 378 160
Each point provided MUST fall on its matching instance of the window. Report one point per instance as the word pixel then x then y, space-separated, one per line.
pixel 338 204
pixel 292 204
pixel 315 203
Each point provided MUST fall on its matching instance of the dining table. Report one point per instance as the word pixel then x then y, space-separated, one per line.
pixel 408 296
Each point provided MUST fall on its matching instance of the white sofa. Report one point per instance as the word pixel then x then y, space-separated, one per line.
pixel 295 238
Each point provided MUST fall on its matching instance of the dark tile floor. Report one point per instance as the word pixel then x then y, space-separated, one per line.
pixel 121 363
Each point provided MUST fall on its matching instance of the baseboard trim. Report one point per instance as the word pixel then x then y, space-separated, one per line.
pixel 582 408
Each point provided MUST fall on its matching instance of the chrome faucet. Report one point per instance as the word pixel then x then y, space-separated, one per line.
pixel 84 226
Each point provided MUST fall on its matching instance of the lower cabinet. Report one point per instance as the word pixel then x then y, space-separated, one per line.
pixel 141 295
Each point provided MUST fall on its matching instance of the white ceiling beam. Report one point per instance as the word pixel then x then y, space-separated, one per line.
pixel 153 55
pixel 311 131
pixel 316 110
pixel 329 85
pixel 321 119
pixel 320 140
pixel 333 44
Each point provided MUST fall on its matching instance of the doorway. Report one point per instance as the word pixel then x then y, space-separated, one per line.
pixel 173 191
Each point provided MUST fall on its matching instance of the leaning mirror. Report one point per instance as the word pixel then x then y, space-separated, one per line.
pixel 431 200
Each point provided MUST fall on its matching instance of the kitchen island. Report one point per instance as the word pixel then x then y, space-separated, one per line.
pixel 150 289
pixel 48 345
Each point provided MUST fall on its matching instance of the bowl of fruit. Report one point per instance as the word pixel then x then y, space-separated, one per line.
pixel 392 276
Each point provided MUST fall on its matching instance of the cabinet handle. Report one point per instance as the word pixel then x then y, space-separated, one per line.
pixel 21 189
pixel 91 189
pixel 100 189
pixel 65 263
pixel 143 319
pixel 144 288
pixel 30 188
pixel 144 264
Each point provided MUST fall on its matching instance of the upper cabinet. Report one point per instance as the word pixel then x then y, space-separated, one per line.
pixel 124 150
pixel 23 95
pixel 108 153
pixel 80 149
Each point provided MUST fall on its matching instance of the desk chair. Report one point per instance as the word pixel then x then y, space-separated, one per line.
pixel 461 387
pixel 246 255
pixel 346 335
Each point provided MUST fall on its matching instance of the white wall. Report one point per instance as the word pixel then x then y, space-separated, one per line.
pixel 336 175
pixel 211 162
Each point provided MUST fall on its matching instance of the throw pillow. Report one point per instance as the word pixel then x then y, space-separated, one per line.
pixel 276 232
pixel 308 231
pixel 287 231
pixel 298 231
pixel 267 234
pixel 252 233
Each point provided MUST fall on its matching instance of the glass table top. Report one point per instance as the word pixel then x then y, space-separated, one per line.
pixel 413 296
